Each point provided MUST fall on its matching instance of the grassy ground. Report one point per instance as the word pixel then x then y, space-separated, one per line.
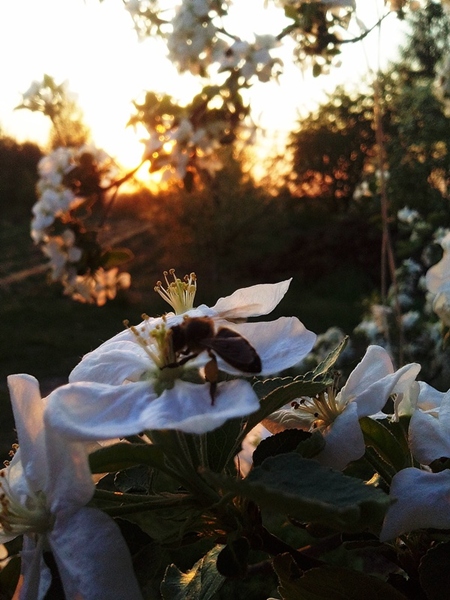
pixel 45 334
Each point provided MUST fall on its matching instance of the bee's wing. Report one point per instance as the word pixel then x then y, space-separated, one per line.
pixel 235 350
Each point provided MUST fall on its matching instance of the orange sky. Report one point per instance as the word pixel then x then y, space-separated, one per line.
pixel 94 46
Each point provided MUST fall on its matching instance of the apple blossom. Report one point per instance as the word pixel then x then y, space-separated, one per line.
pixel 44 490
pixel 429 428
pixel 139 381
pixel 337 415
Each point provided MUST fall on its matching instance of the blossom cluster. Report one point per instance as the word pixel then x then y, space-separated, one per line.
pixel 180 146
pixel 163 375
pixel 193 43
pixel 418 298
pixel 72 179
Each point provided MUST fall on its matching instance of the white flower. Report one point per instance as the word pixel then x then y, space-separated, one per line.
pixel 97 287
pixel 437 281
pixel 407 215
pixel 62 252
pixel 420 500
pixel 43 495
pixel 429 428
pixel 337 415
pixel 439 274
pixel 139 381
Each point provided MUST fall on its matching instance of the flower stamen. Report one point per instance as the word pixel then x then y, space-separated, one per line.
pixel 29 516
pixel 180 294
pixel 321 410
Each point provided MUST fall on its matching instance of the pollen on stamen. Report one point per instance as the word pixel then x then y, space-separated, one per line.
pixel 180 294
pixel 154 341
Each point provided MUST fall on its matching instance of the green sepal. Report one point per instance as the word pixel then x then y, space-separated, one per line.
pixel 323 583
pixel 122 456
pixel 201 582
pixel 310 493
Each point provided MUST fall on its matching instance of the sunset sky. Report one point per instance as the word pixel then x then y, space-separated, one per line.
pixel 94 46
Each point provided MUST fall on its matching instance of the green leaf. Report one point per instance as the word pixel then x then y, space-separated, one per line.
pixel 384 442
pixel 329 582
pixel 309 492
pixel 134 480
pixel 167 525
pixel 283 395
pixel 122 456
pixel 290 440
pixel 222 444
pixel 201 582
pixel 434 573
pixel 328 363
pixel 116 257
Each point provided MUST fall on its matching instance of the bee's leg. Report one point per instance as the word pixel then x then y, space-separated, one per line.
pixel 181 362
pixel 212 375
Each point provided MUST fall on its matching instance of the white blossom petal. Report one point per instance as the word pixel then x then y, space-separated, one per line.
pixel 38 576
pixel 113 364
pixel 91 411
pixel 429 433
pixel 420 499
pixel 344 441
pixel 251 301
pixel 280 344
pixel 375 396
pixel 28 409
pixel 92 557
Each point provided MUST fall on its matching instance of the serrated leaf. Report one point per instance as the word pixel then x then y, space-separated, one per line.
pixel 265 387
pixel 310 492
pixel 324 583
pixel 122 456
pixel 328 363
pixel 434 573
pixel 384 442
pixel 201 582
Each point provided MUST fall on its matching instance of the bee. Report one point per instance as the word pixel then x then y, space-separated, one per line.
pixel 196 335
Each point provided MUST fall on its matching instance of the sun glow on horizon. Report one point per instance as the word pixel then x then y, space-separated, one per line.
pixel 107 68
